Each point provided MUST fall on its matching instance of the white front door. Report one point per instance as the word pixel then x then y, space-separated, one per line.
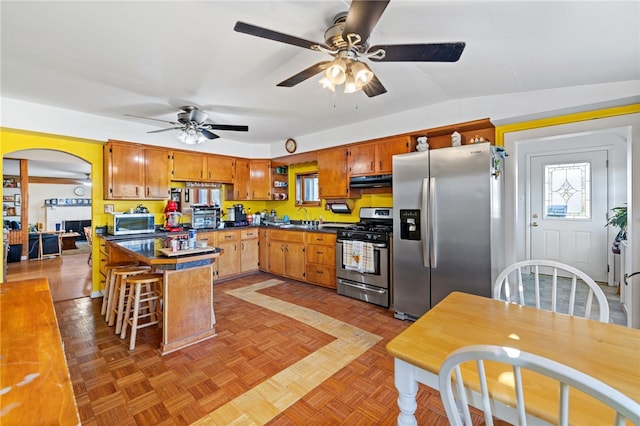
pixel 568 210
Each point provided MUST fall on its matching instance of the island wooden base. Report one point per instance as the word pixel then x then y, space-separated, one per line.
pixel 188 315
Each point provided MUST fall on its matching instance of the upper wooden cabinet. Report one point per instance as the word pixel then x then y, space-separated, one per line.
pixel 333 179
pixel 260 179
pixel 220 168
pixel 196 167
pixel 376 157
pixel 252 180
pixel 136 172
pixel 188 166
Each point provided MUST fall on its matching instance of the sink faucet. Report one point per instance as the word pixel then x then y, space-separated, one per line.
pixel 306 214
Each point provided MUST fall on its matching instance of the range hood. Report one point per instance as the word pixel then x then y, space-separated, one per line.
pixel 378 181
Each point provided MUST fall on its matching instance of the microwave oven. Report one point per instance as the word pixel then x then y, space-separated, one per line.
pixel 130 223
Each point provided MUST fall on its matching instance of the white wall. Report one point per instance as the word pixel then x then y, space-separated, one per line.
pixel 38 213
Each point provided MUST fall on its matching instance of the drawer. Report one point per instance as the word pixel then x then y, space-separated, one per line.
pixel 226 236
pixel 320 238
pixel 321 275
pixel 323 255
pixel 290 236
pixel 249 234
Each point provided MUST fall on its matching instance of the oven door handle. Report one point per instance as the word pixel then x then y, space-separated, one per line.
pixel 364 287
pixel 375 245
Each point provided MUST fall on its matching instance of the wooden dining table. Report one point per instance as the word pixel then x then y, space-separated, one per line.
pixel 608 352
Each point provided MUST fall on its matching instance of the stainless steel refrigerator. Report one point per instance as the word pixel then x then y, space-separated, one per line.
pixel 447 211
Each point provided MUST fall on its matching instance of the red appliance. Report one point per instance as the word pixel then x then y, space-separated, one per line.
pixel 172 217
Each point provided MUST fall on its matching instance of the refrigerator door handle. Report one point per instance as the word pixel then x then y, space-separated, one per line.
pixel 432 223
pixel 424 231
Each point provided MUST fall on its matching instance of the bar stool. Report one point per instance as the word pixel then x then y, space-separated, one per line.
pixel 120 291
pixel 151 295
pixel 108 284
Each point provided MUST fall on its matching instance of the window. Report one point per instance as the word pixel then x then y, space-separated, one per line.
pixel 567 190
pixel 307 189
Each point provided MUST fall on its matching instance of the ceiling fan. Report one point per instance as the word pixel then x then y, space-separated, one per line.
pixel 193 125
pixel 347 40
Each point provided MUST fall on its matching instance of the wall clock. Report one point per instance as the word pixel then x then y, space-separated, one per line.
pixel 79 191
pixel 290 145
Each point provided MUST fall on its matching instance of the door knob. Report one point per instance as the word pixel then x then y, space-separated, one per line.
pixel 534 224
pixel 535 216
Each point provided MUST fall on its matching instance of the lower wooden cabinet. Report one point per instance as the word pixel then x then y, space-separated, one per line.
pixel 249 250
pixel 321 258
pixel 286 254
pixel 263 250
pixel 228 264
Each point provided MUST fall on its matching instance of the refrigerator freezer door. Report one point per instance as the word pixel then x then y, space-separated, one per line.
pixel 461 197
pixel 411 294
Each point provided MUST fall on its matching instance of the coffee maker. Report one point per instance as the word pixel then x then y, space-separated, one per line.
pixel 172 217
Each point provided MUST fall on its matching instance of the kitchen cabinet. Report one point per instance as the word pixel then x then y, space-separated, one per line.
pixel 132 171
pixel 260 179
pixel 249 250
pixel 375 158
pixel 263 248
pixel 333 179
pixel 220 168
pixel 188 166
pixel 241 180
pixel 229 263
pixel 320 263
pixel 193 166
pixel 252 180
pixel 286 254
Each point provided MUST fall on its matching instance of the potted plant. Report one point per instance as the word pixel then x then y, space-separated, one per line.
pixel 618 219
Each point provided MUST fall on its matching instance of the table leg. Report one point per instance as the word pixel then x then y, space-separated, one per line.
pixel 407 387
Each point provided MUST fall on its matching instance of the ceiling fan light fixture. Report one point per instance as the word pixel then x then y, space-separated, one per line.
pixel 190 136
pixel 327 84
pixel 337 72
pixel 362 73
pixel 350 84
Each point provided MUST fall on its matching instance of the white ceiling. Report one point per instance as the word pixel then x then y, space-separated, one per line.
pixel 148 58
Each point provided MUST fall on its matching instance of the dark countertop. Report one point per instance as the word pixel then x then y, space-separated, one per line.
pixel 328 228
pixel 147 250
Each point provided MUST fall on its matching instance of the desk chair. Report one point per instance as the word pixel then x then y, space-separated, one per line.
pixel 567 378
pixel 559 295
pixel 89 235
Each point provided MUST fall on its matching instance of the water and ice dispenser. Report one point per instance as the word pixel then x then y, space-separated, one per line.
pixel 410 224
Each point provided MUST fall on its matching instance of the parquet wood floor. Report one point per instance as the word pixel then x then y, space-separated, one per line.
pixel 114 386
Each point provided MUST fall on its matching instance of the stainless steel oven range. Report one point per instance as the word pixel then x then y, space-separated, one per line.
pixel 363 257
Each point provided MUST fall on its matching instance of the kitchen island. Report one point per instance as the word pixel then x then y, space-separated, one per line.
pixel 188 315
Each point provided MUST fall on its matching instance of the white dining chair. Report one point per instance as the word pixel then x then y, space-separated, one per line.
pixel 568 378
pixel 568 288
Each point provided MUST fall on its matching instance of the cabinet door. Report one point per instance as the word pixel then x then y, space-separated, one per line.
pixel 241 180
pixel 386 149
pixel 294 264
pixel 260 180
pixel 332 173
pixel 362 159
pixel 263 252
pixel 187 166
pixel 157 173
pixel 124 170
pixel 230 261
pixel 276 256
pixel 250 255
pixel 220 168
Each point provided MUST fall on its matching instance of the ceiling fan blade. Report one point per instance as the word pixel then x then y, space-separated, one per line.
pixel 165 130
pixel 207 134
pixel 425 52
pixel 243 27
pixel 374 88
pixel 362 18
pixel 234 127
pixel 305 74
pixel 147 118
